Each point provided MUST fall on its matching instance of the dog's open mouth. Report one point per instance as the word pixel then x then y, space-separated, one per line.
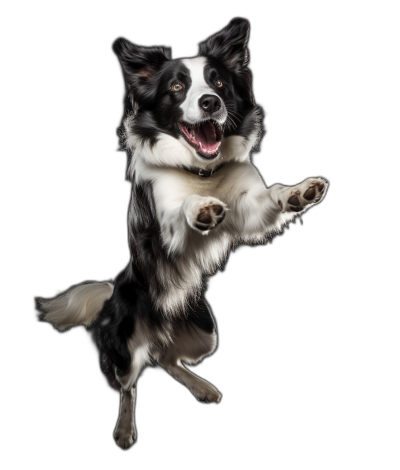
pixel 204 137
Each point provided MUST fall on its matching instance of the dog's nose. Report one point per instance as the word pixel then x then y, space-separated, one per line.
pixel 210 103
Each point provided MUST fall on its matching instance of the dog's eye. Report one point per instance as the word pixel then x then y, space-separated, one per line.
pixel 218 83
pixel 178 86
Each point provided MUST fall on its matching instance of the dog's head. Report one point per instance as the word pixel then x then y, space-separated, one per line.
pixel 195 111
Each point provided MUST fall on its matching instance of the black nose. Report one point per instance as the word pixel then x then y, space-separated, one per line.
pixel 210 103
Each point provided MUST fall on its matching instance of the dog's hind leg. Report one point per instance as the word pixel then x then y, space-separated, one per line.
pixel 195 339
pixel 125 433
pixel 124 345
pixel 125 382
pixel 125 429
pixel 200 388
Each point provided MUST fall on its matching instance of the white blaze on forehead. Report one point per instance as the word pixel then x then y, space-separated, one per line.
pixel 199 87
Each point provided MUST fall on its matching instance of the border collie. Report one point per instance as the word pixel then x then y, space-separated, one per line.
pixel 189 128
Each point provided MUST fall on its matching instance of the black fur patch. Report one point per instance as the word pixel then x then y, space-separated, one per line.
pixel 201 316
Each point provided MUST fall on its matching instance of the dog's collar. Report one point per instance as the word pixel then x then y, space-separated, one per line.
pixel 201 172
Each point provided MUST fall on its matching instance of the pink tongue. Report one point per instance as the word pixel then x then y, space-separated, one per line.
pixel 205 134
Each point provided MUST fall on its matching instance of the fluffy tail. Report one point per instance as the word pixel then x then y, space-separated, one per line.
pixel 79 305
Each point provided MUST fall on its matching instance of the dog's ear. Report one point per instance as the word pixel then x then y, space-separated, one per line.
pixel 229 45
pixel 139 64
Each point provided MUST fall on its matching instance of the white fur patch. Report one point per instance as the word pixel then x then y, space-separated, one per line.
pixel 192 112
pixel 237 148
pixel 80 305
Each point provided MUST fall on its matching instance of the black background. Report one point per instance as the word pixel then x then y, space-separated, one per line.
pixel 281 364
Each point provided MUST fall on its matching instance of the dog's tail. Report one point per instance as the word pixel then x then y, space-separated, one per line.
pixel 79 305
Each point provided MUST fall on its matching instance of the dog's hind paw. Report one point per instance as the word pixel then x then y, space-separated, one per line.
pixel 206 393
pixel 124 438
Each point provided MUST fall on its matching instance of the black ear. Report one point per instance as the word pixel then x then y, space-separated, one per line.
pixel 139 64
pixel 229 45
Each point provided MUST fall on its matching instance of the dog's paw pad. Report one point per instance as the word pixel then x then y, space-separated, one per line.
pixel 206 214
pixel 294 200
pixel 306 193
pixel 310 193
pixel 218 209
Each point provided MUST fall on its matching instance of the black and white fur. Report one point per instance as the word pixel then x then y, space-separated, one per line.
pixel 182 226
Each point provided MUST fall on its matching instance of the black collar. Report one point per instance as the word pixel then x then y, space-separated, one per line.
pixel 201 172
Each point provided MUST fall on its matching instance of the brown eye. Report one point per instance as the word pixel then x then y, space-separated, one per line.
pixel 177 86
pixel 218 83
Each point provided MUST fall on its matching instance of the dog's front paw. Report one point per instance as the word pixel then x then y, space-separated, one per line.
pixel 297 198
pixel 204 213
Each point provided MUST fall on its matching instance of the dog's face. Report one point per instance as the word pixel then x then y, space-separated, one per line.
pixel 190 111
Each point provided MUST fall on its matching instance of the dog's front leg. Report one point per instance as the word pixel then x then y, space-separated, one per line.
pixel 264 211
